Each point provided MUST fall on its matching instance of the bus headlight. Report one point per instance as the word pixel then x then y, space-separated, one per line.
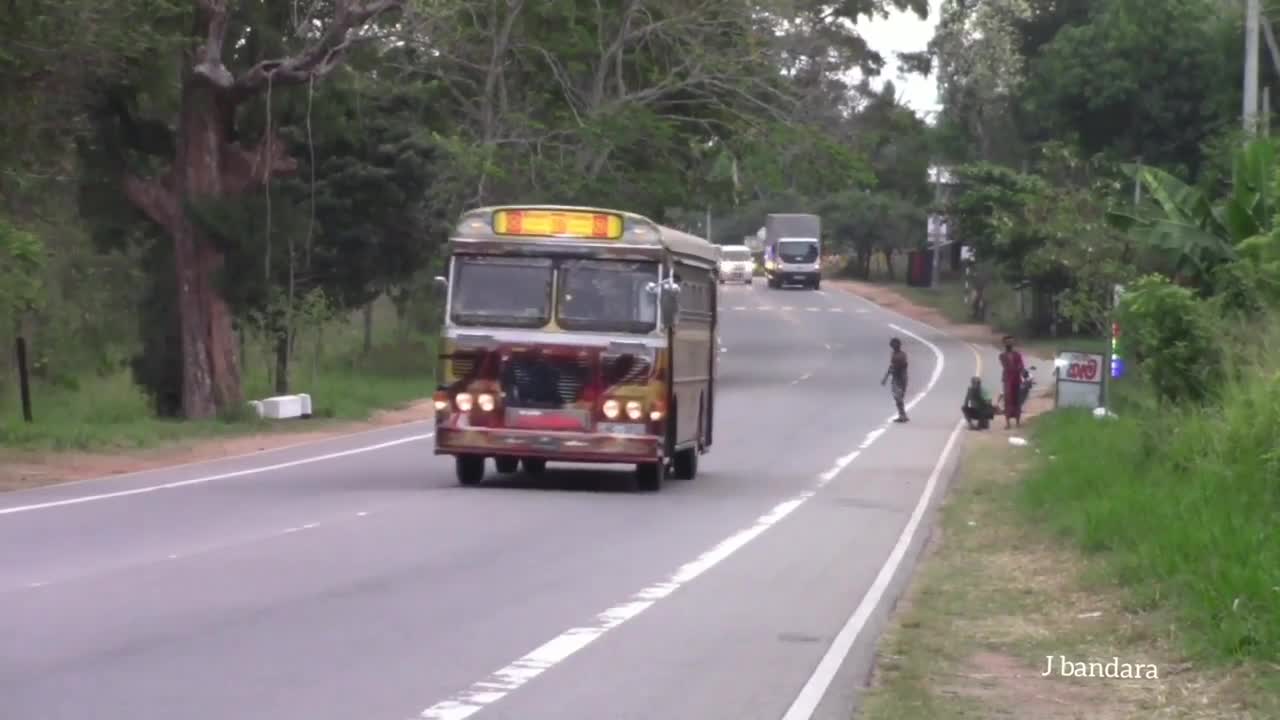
pixel 634 410
pixel 464 401
pixel 611 409
pixel 486 402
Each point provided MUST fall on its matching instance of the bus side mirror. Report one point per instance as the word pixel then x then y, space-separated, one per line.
pixel 669 301
pixel 440 286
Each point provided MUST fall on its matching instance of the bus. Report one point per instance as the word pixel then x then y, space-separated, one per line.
pixel 578 335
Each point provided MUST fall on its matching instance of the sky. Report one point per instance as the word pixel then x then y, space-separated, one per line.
pixel 904 32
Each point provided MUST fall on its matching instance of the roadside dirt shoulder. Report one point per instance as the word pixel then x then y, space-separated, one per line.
pixel 19 470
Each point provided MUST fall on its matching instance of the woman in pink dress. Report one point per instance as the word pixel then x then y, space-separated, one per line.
pixel 1011 380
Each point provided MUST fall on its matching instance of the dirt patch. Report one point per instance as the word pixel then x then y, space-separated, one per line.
pixel 893 300
pixel 27 470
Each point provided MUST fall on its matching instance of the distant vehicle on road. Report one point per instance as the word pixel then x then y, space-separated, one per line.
pixel 736 264
pixel 792 250
pixel 577 335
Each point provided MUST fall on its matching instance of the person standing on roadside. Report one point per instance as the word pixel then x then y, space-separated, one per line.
pixel 1012 369
pixel 898 372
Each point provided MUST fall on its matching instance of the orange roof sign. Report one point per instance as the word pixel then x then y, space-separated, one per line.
pixel 558 223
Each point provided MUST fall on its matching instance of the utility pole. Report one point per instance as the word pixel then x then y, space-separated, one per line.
pixel 1252 27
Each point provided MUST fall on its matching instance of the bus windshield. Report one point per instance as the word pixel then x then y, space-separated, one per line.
pixel 736 255
pixel 798 251
pixel 515 292
pixel 608 296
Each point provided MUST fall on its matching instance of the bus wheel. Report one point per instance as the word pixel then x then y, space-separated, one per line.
pixel 534 466
pixel 506 465
pixel 685 464
pixel 469 468
pixel 817 283
pixel 649 476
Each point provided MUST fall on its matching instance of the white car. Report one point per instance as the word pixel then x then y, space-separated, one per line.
pixel 736 264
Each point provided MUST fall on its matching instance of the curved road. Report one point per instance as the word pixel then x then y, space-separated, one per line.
pixel 353 578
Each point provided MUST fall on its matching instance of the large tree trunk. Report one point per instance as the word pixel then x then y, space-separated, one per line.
pixel 211 377
pixel 206 166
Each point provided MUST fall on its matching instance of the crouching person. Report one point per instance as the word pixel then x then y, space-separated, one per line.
pixel 978 410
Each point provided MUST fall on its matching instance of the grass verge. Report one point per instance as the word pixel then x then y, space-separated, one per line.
pixel 1005 584
pixel 112 413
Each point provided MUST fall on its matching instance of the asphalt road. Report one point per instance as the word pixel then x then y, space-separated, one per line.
pixel 353 578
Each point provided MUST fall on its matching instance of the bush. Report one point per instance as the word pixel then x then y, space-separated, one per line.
pixel 1169 333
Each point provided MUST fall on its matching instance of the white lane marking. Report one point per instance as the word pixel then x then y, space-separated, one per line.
pixel 814 309
pixel 362 514
pixel 738 307
pixel 806 703
pixel 237 456
pixel 558 649
pixel 787 307
pixel 34 585
pixel 871 437
pixel 211 478
pixel 863 311
pixel 826 345
pixel 173 557
pixel 802 378
pixel 836 309
pixel 555 651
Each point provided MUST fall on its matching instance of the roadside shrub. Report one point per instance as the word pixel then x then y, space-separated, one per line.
pixel 1169 333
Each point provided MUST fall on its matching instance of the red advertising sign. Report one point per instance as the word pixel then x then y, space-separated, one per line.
pixel 1080 367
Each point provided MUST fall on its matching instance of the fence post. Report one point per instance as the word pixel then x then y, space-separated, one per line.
pixel 24 378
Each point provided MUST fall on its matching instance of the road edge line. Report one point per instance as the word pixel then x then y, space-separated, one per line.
pixel 211 478
pixel 815 688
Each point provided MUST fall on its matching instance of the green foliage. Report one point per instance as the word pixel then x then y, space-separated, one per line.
pixel 1169 332
pixel 1138 79
pixel 1178 504
pixel 21 260
pixel 1204 234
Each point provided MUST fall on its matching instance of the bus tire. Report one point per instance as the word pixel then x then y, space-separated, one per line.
pixel 649 476
pixel 685 464
pixel 469 469
pixel 817 283
pixel 534 466
pixel 506 465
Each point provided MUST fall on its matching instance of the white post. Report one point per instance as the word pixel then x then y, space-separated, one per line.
pixel 1252 27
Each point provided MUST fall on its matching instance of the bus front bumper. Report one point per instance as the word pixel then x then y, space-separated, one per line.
pixel 556 446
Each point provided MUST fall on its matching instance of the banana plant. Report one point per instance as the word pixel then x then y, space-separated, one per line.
pixel 1203 234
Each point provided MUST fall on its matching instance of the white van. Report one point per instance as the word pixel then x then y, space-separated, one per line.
pixel 736 264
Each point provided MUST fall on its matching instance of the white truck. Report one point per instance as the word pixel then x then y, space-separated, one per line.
pixel 793 250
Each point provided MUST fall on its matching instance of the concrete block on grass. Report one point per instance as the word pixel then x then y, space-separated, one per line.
pixel 283 407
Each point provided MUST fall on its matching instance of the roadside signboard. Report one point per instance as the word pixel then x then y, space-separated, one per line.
pixel 1079 377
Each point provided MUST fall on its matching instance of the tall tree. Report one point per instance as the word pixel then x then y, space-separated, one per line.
pixel 203 159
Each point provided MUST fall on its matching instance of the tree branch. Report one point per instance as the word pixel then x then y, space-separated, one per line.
pixel 320 57
pixel 211 23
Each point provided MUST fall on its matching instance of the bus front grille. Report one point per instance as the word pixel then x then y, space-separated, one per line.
pixel 544 382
